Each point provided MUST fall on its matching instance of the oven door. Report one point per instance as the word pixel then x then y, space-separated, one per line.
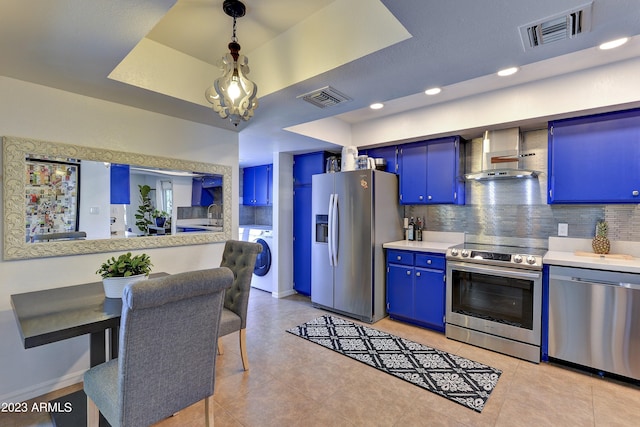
pixel 505 302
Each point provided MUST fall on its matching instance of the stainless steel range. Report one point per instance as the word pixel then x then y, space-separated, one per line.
pixel 494 298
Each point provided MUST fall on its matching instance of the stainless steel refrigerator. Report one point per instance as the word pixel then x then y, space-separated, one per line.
pixel 354 213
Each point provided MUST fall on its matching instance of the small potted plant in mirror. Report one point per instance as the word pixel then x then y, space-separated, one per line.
pixel 160 217
pixel 119 272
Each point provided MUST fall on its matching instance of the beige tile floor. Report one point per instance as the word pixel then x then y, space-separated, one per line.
pixel 292 382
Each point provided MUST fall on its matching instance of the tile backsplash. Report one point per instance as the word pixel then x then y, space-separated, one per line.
pixel 515 211
pixel 256 215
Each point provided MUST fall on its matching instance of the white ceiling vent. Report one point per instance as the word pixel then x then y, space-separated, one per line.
pixel 566 25
pixel 325 97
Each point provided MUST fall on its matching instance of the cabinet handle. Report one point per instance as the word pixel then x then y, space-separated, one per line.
pixel 635 193
pixel 428 261
pixel 399 257
pixel 420 197
pixel 408 272
pixel 429 197
pixel 418 274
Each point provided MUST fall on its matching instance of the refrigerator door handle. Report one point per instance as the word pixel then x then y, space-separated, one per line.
pixel 333 230
pixel 330 234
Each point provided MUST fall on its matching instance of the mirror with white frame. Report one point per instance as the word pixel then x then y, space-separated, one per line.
pixel 58 200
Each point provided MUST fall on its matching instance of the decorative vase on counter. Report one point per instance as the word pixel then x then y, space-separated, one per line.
pixel 113 286
pixel 600 243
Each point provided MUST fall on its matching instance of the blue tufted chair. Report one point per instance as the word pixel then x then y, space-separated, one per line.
pixel 239 257
pixel 166 360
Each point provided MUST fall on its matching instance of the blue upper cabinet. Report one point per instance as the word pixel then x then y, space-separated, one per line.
pixel 387 153
pixel 211 181
pixel 430 172
pixel 263 178
pixel 307 165
pixel 120 188
pixel 595 159
pixel 200 196
pixel 248 186
pixel 257 185
pixel 413 174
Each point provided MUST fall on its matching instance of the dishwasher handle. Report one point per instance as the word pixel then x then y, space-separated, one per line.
pixel 634 286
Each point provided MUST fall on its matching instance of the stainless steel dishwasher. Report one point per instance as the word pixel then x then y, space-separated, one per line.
pixel 594 319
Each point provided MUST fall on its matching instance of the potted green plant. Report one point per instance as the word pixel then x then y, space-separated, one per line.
pixel 118 272
pixel 145 210
pixel 160 217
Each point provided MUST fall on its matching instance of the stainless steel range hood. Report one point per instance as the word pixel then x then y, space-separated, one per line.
pixel 501 157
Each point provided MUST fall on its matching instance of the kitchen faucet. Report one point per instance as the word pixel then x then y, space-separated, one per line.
pixel 209 210
pixel 216 212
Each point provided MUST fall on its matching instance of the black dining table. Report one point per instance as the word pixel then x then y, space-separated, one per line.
pixel 58 314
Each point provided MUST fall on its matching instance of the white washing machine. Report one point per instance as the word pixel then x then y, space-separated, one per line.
pixel 262 273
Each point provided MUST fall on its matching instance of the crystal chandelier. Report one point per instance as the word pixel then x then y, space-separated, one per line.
pixel 233 95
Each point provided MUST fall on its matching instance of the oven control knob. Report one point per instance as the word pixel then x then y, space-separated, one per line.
pixel 531 259
pixel 465 253
pixel 517 258
pixel 454 252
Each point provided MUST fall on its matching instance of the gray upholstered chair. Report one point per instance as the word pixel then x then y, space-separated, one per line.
pixel 166 360
pixel 240 257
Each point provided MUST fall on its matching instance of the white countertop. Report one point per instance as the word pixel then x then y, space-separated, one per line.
pixel 406 245
pixel 433 241
pixel 256 226
pixel 570 259
pixel 562 252
pixel 201 223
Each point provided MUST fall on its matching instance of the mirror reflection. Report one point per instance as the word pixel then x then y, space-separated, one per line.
pixel 61 199
pixel 51 189
pixel 64 197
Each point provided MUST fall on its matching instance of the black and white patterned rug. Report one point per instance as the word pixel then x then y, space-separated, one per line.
pixel 461 380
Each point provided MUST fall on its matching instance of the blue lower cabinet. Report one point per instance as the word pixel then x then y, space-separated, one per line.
pixel 400 294
pixel 189 230
pixel 416 294
pixel 429 298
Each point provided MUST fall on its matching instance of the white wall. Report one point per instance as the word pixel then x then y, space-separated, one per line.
pixel 34 111
pixel 282 225
pixel 95 200
pixel 182 192
pixel 568 95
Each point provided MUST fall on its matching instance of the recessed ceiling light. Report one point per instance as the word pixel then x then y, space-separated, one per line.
pixel 376 105
pixel 508 71
pixel 433 91
pixel 613 43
